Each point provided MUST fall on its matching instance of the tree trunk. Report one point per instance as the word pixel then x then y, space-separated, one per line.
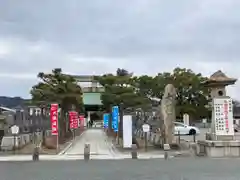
pixel 62 125
pixel 120 126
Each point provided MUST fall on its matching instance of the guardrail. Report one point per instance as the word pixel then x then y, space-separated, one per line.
pixel 156 139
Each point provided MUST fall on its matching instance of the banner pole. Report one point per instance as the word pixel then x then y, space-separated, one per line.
pixel 57 134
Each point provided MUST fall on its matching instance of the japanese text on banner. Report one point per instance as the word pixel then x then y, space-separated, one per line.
pixel 115 114
pixel 105 120
pixel 73 119
pixel 54 118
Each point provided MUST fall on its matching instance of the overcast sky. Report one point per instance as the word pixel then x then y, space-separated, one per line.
pixel 98 36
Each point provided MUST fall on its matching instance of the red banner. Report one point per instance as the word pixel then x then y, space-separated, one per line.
pixel 73 119
pixel 81 121
pixel 54 118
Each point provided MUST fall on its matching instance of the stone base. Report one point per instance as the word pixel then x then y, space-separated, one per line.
pixel 211 148
pixel 174 146
pixel 213 137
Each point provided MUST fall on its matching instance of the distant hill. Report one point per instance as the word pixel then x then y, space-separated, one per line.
pixel 11 102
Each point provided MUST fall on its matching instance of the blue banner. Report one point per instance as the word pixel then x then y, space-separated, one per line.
pixel 105 120
pixel 115 115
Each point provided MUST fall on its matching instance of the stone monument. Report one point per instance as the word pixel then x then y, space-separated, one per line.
pixel 220 141
pixel 168 113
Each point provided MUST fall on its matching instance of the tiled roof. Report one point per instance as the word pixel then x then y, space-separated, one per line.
pixel 219 77
pixel 7 109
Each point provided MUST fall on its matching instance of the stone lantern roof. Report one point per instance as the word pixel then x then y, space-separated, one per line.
pixel 219 79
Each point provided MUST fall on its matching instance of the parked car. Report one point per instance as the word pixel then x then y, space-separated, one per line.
pixel 183 129
pixel 236 128
pixel 98 124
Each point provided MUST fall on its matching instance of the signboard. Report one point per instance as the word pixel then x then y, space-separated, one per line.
pixel 223 116
pixel 54 118
pixel 81 121
pixel 127 131
pixel 145 127
pixel 73 119
pixel 105 120
pixel 204 121
pixel 115 114
pixel 15 129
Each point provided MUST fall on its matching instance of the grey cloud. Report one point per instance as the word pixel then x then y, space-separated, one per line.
pixel 85 37
pixel 127 29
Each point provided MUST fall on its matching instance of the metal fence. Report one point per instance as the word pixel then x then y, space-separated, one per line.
pixel 32 121
pixel 27 121
pixel 33 125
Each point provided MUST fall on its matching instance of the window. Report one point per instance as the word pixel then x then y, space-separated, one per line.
pixel 179 124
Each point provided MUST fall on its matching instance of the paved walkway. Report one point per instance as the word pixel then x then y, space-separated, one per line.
pixel 100 144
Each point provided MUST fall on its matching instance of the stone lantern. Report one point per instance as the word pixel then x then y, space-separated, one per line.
pixel 220 142
pixel 217 84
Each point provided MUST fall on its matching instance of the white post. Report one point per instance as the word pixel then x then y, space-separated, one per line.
pixel 186 119
pixel 57 136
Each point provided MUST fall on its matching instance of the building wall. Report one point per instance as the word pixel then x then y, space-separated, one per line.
pixel 92 89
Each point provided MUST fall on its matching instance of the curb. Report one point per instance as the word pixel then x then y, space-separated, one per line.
pixel 66 148
pixel 70 145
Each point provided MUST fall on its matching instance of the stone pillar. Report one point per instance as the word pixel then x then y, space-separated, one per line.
pixel 87 151
pixel 134 153
pixel 168 112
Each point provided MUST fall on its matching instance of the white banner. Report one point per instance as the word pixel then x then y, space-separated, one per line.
pixel 223 116
pixel 127 131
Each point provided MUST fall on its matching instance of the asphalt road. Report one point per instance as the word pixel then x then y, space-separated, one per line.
pixel 174 169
